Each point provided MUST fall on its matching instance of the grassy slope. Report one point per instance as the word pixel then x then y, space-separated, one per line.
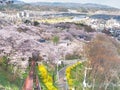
pixel 4 81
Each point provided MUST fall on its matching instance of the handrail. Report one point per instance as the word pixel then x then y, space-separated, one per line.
pixel 32 80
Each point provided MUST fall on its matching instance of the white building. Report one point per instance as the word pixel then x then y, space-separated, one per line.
pixel 23 14
pixel 112 23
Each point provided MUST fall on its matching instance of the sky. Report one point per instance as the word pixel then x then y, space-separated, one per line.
pixel 113 3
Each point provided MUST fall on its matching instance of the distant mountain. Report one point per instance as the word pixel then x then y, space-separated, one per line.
pixel 18 2
pixel 74 5
pixel 92 5
pixel 58 7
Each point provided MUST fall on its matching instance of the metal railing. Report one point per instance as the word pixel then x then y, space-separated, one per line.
pixel 32 81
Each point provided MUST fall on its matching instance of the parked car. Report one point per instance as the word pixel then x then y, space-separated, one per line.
pixel 42 40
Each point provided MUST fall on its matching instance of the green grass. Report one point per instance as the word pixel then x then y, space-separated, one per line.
pixel 77 75
pixel 5 84
pixel 9 80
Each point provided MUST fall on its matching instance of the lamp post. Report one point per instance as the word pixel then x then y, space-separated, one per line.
pixel 58 63
pixel 85 74
pixel 57 72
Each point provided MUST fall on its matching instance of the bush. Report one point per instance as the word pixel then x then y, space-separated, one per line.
pixel 71 57
pixel 36 23
pixel 88 28
pixel 4 62
pixel 46 78
pixel 56 39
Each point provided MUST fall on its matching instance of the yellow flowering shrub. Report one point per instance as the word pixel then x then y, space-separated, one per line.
pixel 68 75
pixel 47 79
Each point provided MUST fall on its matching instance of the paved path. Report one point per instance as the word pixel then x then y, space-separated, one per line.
pixel 62 82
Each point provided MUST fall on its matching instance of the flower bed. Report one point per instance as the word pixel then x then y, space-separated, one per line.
pixel 68 75
pixel 46 78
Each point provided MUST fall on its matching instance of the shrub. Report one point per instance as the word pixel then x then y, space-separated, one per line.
pixel 36 23
pixel 46 78
pixel 56 39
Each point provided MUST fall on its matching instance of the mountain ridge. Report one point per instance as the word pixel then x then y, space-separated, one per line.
pixel 57 6
pixel 18 2
pixel 85 5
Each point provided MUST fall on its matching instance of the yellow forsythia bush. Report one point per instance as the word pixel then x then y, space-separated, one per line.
pixel 68 75
pixel 47 79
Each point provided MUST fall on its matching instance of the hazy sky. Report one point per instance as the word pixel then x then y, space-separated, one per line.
pixel 114 3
